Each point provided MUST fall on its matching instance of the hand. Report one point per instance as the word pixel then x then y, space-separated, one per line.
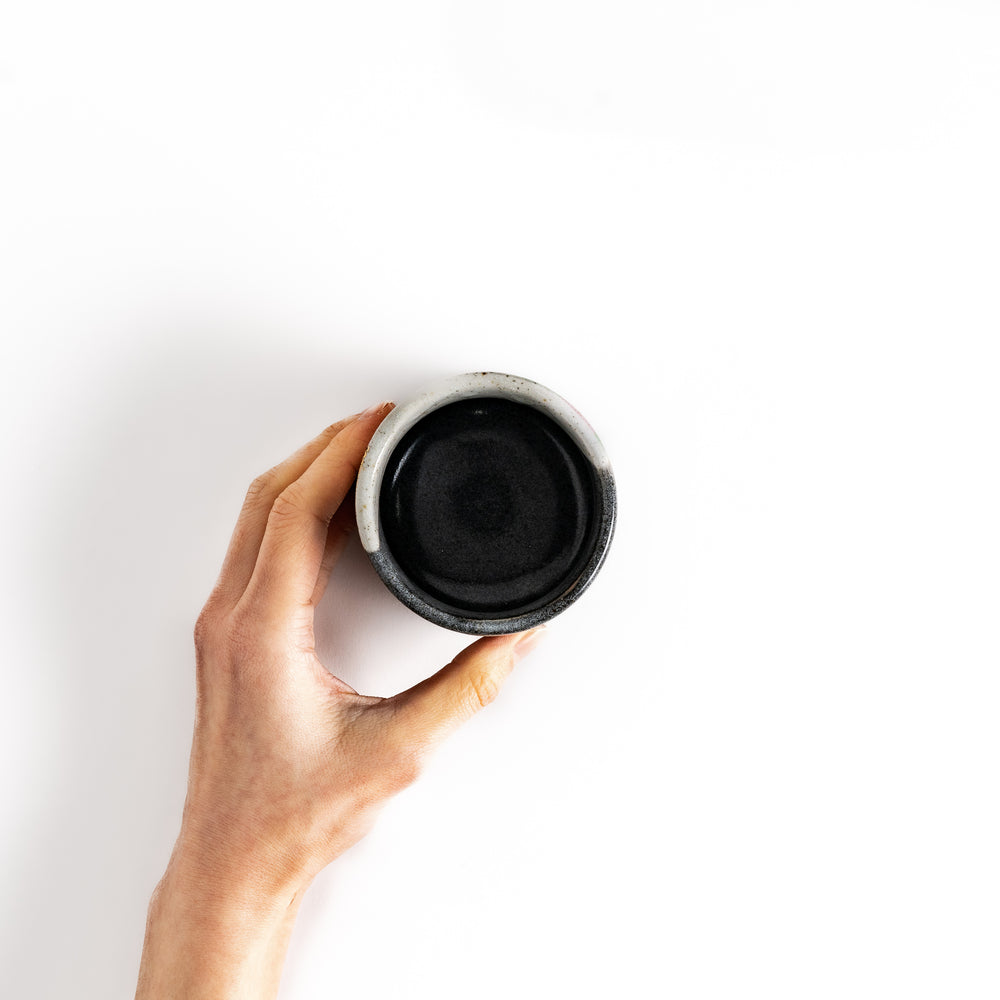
pixel 289 764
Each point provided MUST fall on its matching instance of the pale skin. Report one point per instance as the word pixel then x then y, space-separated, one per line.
pixel 289 765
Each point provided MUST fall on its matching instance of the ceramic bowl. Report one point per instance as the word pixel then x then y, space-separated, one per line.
pixel 486 503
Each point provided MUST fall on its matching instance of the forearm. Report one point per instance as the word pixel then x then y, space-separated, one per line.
pixel 207 941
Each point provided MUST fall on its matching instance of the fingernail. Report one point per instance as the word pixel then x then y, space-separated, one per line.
pixel 528 641
pixel 372 410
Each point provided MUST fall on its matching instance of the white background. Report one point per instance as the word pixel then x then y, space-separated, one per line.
pixel 756 243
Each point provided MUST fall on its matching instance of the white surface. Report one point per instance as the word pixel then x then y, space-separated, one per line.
pixel 755 243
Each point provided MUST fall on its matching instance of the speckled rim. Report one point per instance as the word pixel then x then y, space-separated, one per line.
pixel 404 416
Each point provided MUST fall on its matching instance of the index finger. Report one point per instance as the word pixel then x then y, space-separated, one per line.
pixel 291 552
pixel 244 546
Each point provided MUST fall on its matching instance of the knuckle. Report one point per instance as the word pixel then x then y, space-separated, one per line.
pixel 483 689
pixel 287 505
pixel 208 624
pixel 261 488
pixel 204 629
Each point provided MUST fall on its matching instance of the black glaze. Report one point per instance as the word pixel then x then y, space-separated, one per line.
pixel 488 508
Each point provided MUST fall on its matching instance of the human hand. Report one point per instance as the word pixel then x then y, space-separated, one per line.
pixel 289 764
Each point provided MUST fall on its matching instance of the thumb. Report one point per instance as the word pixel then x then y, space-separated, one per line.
pixel 441 703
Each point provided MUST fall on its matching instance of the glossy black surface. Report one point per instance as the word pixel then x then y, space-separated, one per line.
pixel 488 508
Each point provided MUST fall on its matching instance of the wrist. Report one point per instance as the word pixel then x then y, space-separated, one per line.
pixel 221 871
pixel 209 935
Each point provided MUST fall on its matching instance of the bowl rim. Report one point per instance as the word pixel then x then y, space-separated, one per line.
pixel 432 397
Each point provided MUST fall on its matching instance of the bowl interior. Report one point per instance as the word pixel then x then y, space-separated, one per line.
pixel 488 508
pixel 486 504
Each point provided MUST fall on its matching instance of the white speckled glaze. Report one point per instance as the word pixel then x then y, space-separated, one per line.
pixel 405 415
